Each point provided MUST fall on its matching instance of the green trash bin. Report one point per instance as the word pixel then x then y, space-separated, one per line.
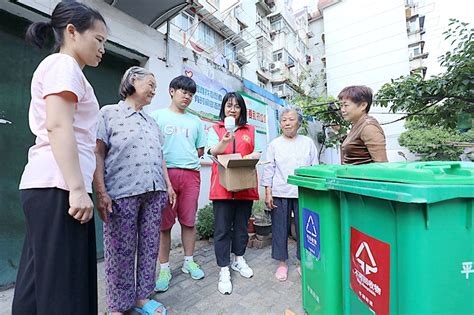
pixel 320 239
pixel 408 238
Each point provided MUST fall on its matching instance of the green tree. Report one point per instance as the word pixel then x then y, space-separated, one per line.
pixel 321 108
pixel 435 106
pixel 433 143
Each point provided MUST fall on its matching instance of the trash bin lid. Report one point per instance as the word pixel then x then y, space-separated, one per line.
pixel 314 177
pixel 322 171
pixel 427 173
pixel 307 182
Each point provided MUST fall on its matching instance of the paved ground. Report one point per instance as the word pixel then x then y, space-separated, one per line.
pixel 262 294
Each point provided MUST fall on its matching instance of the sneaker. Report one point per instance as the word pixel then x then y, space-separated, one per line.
pixel 225 285
pixel 194 269
pixel 163 282
pixel 242 267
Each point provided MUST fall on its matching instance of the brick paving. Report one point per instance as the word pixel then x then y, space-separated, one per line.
pixel 262 294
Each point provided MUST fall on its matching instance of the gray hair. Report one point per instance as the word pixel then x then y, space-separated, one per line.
pixel 126 85
pixel 297 110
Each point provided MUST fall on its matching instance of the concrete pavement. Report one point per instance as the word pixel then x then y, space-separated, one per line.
pixel 262 294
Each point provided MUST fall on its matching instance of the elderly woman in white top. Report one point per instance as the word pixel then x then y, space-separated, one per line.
pixel 284 155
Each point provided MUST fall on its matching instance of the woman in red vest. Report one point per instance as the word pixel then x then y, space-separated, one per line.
pixel 231 209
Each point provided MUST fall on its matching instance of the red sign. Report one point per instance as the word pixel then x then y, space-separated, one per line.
pixel 370 271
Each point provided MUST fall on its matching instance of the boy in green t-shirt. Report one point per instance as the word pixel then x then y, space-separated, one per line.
pixel 183 146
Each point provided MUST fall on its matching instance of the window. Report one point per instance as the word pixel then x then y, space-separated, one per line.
pixel 279 88
pixel 263 23
pixel 284 90
pixel 302 22
pixel 416 51
pixel 290 61
pixel 412 26
pixel 184 21
pixel 276 25
pixel 207 35
pixel 278 56
pixel 229 50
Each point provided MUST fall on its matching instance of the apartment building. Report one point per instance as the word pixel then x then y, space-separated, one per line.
pixel 216 32
pixel 415 20
pixel 262 41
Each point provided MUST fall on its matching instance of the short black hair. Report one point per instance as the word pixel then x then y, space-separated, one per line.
pixel 357 94
pixel 243 108
pixel 184 83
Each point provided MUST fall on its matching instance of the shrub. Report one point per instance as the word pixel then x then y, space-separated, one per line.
pixel 205 222
pixel 259 213
pixel 258 207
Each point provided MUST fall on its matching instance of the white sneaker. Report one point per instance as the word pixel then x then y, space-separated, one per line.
pixel 225 285
pixel 242 267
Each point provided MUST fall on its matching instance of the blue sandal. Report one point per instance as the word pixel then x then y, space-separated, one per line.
pixel 150 308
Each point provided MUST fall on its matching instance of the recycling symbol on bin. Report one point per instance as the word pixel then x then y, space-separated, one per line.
pixel 362 255
pixel 310 227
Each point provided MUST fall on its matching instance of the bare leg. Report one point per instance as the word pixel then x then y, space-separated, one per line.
pixel 282 263
pixel 165 246
pixel 188 237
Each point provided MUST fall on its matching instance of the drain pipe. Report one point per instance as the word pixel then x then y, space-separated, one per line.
pixel 167 53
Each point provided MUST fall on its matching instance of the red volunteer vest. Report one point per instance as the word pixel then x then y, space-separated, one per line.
pixel 244 144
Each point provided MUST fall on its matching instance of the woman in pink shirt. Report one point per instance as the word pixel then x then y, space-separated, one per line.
pixel 58 271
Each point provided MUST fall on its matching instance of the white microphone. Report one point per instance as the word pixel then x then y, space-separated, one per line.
pixel 229 123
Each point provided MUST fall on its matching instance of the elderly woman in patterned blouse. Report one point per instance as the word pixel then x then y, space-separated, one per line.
pixel 132 186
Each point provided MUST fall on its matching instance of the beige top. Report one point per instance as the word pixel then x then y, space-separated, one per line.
pixel 365 143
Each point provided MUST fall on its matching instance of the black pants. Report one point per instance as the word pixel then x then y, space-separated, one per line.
pixel 231 218
pixel 58 267
pixel 281 227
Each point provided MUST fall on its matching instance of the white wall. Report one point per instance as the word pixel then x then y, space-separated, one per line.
pixel 369 47
pixel 437 15
pixel 366 44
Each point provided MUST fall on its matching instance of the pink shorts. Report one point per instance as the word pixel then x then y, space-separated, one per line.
pixel 186 183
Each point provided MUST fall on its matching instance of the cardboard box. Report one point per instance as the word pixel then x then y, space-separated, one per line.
pixel 236 173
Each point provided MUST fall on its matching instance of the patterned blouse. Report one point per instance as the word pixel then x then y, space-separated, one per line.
pixel 133 162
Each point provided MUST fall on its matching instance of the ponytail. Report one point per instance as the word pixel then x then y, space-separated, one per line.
pixel 65 12
pixel 38 32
